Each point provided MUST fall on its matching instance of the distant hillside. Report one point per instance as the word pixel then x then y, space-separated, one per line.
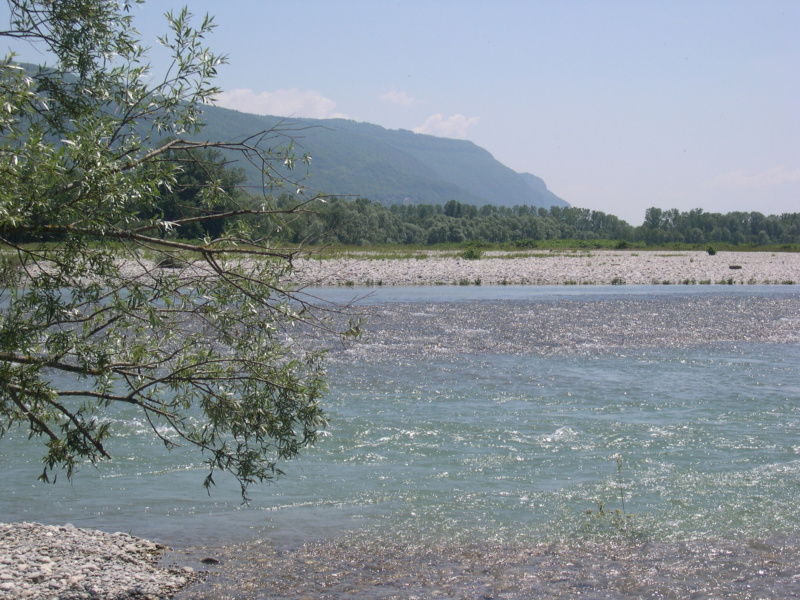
pixel 539 186
pixel 389 166
pixel 384 165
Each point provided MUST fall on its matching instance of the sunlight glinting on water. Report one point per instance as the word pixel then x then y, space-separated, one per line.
pixel 467 433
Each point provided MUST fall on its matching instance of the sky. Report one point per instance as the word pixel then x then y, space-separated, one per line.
pixel 617 105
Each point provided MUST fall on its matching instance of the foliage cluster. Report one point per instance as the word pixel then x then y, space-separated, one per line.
pixel 98 172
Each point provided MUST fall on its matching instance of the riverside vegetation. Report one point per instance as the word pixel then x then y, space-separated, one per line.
pixel 96 171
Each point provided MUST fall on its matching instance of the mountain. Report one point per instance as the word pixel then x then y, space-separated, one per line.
pixel 387 166
pixel 539 186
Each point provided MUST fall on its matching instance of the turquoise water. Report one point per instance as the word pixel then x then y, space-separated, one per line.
pixel 481 416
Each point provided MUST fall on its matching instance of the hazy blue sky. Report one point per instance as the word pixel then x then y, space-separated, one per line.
pixel 618 106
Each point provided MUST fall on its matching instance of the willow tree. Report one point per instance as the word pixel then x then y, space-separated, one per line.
pixel 102 301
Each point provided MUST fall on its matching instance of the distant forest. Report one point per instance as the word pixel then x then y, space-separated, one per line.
pixel 359 221
pixel 363 222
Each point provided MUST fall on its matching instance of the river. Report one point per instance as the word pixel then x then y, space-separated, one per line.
pixel 499 442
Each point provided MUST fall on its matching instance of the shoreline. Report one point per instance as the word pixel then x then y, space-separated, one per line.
pixel 598 267
pixel 51 561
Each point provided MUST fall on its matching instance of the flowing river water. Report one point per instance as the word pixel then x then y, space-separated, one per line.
pixel 500 442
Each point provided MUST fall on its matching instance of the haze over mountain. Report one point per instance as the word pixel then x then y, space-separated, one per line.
pixel 387 166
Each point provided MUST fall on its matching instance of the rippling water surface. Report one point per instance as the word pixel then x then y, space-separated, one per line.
pixel 504 443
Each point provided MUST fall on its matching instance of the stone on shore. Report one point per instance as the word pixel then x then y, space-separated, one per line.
pixel 68 563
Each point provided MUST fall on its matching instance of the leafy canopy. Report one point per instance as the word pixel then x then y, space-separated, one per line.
pixel 129 274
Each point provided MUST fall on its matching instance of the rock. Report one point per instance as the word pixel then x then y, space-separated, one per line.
pixel 36 577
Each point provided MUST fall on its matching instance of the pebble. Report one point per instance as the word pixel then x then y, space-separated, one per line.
pixel 40 562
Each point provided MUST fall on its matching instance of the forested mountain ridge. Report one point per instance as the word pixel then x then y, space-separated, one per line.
pixel 387 166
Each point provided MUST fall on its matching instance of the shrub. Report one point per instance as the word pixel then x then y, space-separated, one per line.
pixel 472 253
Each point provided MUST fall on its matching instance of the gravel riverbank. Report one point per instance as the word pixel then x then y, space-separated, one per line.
pixel 68 563
pixel 595 267
pixel 598 267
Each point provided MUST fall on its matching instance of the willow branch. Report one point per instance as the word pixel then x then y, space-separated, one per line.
pixel 37 422
pixel 79 426
pixel 50 364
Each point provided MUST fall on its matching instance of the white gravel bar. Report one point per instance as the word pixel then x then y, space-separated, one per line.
pixel 598 267
pixel 67 563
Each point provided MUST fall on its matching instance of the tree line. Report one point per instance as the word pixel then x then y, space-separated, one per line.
pixel 360 221
pixel 363 222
